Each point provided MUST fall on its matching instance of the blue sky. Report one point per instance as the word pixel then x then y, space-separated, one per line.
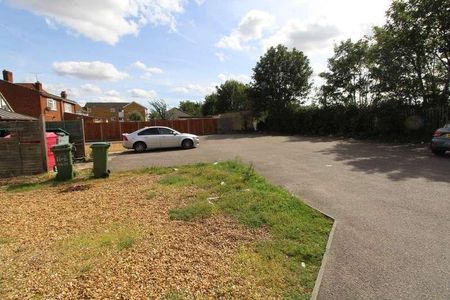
pixel 139 50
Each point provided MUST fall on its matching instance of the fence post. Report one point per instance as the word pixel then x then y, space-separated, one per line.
pixel 84 137
pixel 43 143
pixel 101 131
pixel 188 125
pixel 120 130
pixel 203 126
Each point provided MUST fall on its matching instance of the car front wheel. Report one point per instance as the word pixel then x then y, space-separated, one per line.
pixel 187 144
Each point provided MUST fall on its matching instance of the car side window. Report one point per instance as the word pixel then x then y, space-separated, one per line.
pixel 149 131
pixel 165 131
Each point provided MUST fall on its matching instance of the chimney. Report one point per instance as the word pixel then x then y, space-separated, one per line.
pixel 7 76
pixel 64 95
pixel 38 86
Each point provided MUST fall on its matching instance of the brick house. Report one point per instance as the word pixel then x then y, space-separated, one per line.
pixel 31 99
pixel 7 114
pixel 115 111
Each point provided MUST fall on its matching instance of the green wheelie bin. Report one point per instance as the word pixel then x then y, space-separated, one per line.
pixel 100 158
pixel 64 161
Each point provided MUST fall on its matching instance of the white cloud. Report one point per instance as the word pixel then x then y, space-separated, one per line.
pixel 148 71
pixel 106 20
pixel 239 77
pixel 91 88
pixel 107 99
pixel 303 36
pixel 250 28
pixel 57 88
pixel 220 56
pixel 194 89
pixel 140 93
pixel 95 70
pixel 112 93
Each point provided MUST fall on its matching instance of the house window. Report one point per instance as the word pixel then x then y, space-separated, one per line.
pixel 68 108
pixel 112 109
pixel 51 104
pixel 89 110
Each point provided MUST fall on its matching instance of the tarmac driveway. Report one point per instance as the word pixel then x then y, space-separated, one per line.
pixel 392 205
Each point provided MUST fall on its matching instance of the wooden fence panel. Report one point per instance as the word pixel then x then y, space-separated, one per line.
pixel 180 125
pixel 195 126
pixel 93 132
pixel 113 130
pixel 209 126
pixel 21 153
pixel 76 131
pixel 129 127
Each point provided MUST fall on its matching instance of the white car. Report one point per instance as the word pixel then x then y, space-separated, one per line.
pixel 156 137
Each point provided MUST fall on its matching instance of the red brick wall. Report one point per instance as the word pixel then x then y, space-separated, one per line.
pixel 52 115
pixel 22 100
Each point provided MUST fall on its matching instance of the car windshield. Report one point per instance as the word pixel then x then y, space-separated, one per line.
pixel 447 125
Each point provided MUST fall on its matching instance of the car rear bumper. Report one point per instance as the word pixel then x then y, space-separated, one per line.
pixel 127 144
pixel 439 143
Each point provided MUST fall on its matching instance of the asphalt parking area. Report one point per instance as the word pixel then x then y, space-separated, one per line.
pixel 392 205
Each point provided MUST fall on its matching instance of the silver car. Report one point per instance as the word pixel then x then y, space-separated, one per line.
pixel 157 137
pixel 440 143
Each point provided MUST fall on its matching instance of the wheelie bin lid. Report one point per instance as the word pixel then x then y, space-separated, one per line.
pixel 57 130
pixel 60 147
pixel 100 145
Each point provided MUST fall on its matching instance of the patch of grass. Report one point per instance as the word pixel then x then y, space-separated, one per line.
pixel 298 232
pixel 151 194
pixel 5 240
pixel 84 268
pixel 125 242
pixel 24 187
pixel 175 180
pixel 87 246
pixel 196 210
pixel 175 295
pixel 46 180
pixel 157 170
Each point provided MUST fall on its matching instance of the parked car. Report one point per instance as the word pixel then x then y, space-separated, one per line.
pixel 440 143
pixel 157 137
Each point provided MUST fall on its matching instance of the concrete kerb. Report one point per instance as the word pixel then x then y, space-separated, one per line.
pixel 318 282
pixel 316 289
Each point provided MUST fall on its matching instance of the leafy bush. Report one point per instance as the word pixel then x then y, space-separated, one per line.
pixel 385 120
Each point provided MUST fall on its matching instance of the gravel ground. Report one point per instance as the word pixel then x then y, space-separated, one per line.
pixel 64 242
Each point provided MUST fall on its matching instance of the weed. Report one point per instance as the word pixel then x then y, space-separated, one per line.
pixel 85 268
pixel 24 187
pixel 174 295
pixel 196 210
pixel 174 180
pixel 5 240
pixel 125 242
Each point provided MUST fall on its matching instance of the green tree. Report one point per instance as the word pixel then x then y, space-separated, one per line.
pixel 232 96
pixel 191 107
pixel 135 116
pixel 209 106
pixel 281 79
pixel 412 53
pixel 158 109
pixel 348 79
